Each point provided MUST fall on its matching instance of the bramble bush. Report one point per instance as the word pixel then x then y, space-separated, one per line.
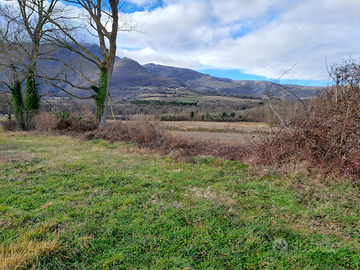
pixel 325 139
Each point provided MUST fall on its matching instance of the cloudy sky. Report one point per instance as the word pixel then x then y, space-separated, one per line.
pixel 245 39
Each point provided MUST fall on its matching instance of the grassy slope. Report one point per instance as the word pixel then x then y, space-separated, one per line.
pixel 107 207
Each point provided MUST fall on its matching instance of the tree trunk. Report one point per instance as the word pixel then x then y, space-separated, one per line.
pixel 109 78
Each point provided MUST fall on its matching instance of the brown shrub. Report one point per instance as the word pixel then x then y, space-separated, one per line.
pixel 56 122
pixel 143 133
pixel 86 113
pixel 72 125
pixel 45 121
pixel 9 125
pixel 326 140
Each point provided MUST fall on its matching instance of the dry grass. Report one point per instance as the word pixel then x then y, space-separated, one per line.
pixel 216 137
pixel 238 127
pixel 22 254
pixel 25 253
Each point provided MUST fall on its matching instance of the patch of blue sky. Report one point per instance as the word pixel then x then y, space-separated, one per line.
pixel 130 7
pixel 304 82
pixel 235 74
pixel 242 32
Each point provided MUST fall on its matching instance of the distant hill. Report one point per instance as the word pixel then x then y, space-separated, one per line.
pixel 205 82
pixel 130 78
pixel 129 73
pixel 199 81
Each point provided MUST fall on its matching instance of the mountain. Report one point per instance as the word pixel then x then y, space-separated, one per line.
pixel 130 78
pixel 205 82
pixel 183 74
pixel 198 81
pixel 129 73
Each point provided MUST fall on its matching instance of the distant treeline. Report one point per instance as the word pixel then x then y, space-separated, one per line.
pixel 163 103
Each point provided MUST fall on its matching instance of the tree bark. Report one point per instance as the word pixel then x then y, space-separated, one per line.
pixel 109 78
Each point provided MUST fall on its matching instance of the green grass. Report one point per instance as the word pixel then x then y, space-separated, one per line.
pixel 109 207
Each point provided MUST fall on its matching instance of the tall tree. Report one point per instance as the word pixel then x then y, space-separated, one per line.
pixel 103 18
pixel 34 14
pixel 32 17
pixel 11 67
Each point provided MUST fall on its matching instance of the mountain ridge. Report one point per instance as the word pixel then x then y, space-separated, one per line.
pixel 129 78
pixel 204 82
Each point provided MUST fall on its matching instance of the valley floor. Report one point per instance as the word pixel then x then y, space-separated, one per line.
pixel 66 204
pixel 234 127
pixel 218 137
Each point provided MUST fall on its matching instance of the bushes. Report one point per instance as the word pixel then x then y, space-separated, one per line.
pixel 325 140
pixel 62 122
pixel 144 133
pixel 9 125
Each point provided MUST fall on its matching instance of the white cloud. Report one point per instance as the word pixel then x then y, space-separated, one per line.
pixel 234 10
pixel 261 37
pixel 148 55
pixel 142 2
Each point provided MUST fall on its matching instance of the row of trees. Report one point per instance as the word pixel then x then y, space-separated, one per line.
pixel 35 34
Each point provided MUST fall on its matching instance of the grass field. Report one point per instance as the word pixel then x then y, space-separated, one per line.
pixel 66 204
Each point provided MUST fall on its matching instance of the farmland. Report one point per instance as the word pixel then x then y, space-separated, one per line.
pixel 234 132
pixel 234 127
pixel 217 137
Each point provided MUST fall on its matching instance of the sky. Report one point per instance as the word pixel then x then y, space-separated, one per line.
pixel 246 39
pixel 295 40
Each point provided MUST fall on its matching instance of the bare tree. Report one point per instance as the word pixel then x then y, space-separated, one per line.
pixel 30 20
pixel 105 22
pixel 289 106
pixel 12 68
